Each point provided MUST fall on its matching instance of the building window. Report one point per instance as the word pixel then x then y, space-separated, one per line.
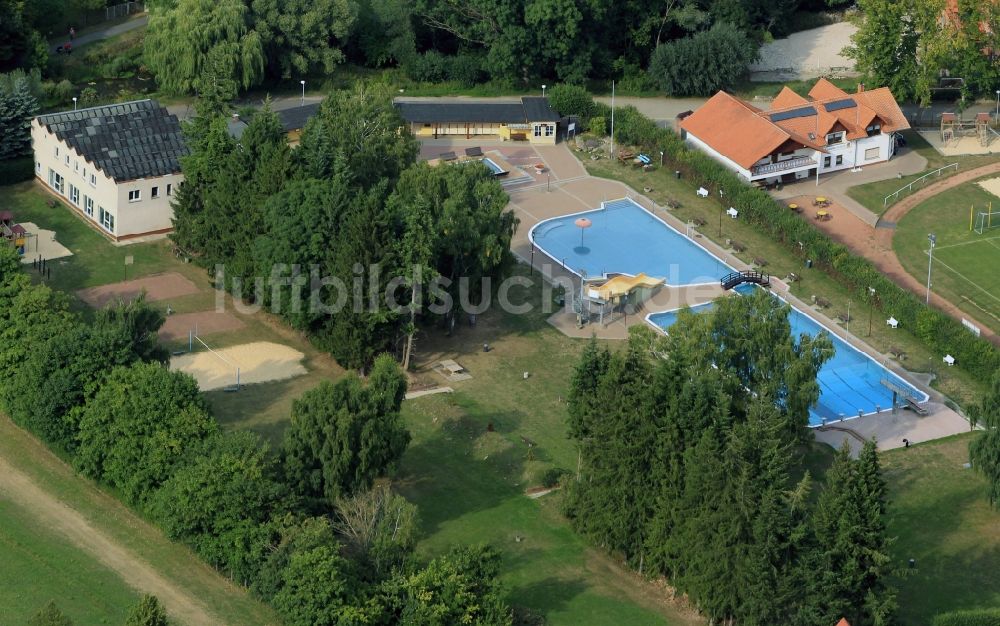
pixel 169 190
pixel 38 167
pixel 88 206
pixel 67 160
pixel 872 153
pixel 93 180
pixel 155 192
pixel 833 138
pixel 135 195
pixel 840 159
pixel 56 181
pixel 107 219
pixel 538 131
pixel 57 152
pixel 84 173
pixel 74 194
pixel 874 129
pixel 76 166
pixel 826 161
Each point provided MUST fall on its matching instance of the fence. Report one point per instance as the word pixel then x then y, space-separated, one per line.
pixel 895 195
pixel 123 10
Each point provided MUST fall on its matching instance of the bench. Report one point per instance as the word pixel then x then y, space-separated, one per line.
pixel 843 318
pixel 897 353
pixel 759 262
pixel 737 246
pixel 822 303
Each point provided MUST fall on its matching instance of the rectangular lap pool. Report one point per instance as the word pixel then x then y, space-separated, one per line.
pixel 625 238
pixel 849 382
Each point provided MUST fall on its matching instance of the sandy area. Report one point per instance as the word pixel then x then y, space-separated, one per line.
pixel 806 54
pixel 962 145
pixel 258 362
pixel 992 185
pixel 158 287
pixel 42 243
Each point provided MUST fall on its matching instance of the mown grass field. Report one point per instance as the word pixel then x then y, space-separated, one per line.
pixel 965 262
pixel 780 261
pixel 872 195
pixel 941 518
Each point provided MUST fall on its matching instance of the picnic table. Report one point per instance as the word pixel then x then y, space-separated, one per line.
pixel 823 215
pixel 795 208
pixel 821 201
pixel 452 366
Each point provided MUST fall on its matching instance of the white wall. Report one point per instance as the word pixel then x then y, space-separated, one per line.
pixel 130 219
pixel 704 147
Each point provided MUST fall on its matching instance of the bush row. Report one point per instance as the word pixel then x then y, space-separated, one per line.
pixel 16 170
pixel 941 333
pixel 982 617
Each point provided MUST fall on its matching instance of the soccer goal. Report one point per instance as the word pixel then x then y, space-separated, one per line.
pixel 986 220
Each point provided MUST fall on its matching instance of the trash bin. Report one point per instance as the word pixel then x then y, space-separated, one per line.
pixel 809 263
pixel 677 173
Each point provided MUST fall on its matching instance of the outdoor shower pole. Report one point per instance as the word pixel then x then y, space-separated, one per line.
pixel 930 261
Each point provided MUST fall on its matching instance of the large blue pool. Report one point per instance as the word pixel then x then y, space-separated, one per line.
pixel 849 382
pixel 625 238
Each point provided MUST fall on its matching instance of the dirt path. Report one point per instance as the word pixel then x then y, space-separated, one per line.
pixel 22 491
pixel 879 250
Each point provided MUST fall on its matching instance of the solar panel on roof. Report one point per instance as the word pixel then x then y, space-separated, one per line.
pixel 836 105
pixel 794 113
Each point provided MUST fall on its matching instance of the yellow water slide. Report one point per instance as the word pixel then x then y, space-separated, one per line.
pixel 621 285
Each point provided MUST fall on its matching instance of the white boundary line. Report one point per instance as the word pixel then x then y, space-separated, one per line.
pixel 824 327
pixel 531 238
pixel 967 243
pixel 962 276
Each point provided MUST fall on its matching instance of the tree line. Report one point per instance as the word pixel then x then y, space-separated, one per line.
pixel 691 467
pixel 350 196
pixel 307 527
pixel 908 45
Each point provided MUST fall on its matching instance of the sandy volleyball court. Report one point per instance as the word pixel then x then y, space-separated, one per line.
pixel 991 185
pixel 258 362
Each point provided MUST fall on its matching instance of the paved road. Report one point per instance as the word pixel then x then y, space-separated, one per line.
pixel 102 33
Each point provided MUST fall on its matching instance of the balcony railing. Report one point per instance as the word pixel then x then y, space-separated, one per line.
pixel 782 166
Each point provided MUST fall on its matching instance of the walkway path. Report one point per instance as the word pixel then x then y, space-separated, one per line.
pixel 102 33
pixel 20 489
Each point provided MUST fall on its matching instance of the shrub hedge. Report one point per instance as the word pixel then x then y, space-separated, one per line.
pixel 982 617
pixel 940 332
pixel 16 170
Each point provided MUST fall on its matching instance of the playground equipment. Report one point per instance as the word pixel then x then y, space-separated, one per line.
pixel 604 299
pixel 623 285
pixel 953 128
pixel 14 233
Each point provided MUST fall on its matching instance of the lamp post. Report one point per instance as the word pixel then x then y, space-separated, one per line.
pixel 721 209
pixel 543 91
pixel 661 159
pixel 302 102
pixel 74 103
pixel 871 308
pixel 930 261
pixel 998 105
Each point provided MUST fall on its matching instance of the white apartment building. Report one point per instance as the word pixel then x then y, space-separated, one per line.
pixel 117 165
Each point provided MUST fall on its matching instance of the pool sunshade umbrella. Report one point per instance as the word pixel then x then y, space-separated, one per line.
pixel 583 223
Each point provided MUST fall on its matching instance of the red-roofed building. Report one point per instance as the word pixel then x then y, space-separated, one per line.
pixel 798 137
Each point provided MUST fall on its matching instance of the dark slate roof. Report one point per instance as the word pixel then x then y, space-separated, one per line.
pixel 126 141
pixel 529 109
pixel 537 109
pixel 295 118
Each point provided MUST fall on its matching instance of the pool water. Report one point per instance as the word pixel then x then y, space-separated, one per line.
pixel 627 239
pixel 849 382
pixel 490 163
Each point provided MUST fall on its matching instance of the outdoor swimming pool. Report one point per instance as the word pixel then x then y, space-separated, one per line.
pixel 849 382
pixel 625 238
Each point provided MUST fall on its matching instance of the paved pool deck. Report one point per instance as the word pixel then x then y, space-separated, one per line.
pixel 569 191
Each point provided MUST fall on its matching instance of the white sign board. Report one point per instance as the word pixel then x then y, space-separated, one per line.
pixel 975 329
pixel 571 127
pixel 129 260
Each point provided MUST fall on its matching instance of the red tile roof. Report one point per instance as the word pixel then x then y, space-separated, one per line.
pixel 745 134
pixel 843 622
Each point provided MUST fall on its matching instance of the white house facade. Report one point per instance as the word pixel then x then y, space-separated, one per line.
pixel 797 138
pixel 116 165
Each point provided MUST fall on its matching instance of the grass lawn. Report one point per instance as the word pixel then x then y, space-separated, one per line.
pixel 951 381
pixel 964 261
pixel 41 565
pixel 941 517
pixel 872 195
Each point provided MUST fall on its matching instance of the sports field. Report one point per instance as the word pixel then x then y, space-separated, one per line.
pixel 965 266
